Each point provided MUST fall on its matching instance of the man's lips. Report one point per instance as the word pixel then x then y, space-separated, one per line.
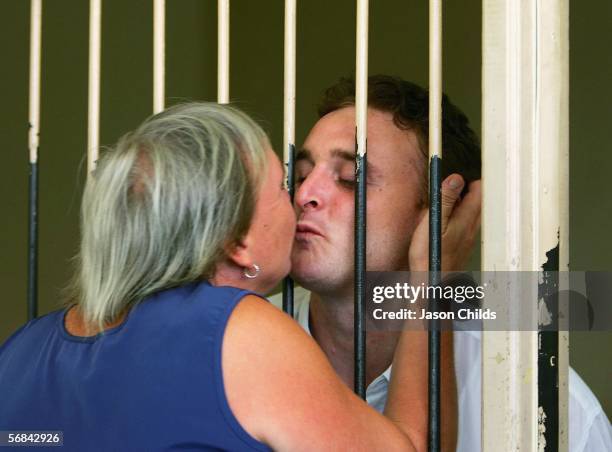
pixel 304 230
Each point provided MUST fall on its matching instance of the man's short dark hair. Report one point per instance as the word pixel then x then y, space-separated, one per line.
pixel 409 105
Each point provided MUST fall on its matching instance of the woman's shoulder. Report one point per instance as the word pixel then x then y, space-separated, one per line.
pixel 196 293
pixel 193 301
pixel 195 310
pixel 33 333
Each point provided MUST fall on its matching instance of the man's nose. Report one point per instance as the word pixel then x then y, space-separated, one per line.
pixel 309 194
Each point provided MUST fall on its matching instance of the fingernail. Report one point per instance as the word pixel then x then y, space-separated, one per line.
pixel 454 183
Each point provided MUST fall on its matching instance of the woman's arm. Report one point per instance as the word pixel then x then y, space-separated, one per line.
pixel 407 399
pixel 283 391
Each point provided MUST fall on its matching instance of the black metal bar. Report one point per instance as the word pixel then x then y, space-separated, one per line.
pixel 360 273
pixel 548 355
pixel 288 295
pixel 288 281
pixel 435 267
pixel 33 244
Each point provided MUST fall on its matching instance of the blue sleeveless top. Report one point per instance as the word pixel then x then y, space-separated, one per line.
pixel 152 383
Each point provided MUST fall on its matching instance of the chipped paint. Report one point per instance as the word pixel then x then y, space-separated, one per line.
pixel 548 287
pixel 545 317
pixel 541 429
pixel 548 351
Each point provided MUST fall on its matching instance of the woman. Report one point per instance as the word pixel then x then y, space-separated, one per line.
pixel 165 344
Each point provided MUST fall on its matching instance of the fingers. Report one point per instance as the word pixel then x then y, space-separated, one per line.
pixel 460 223
pixel 451 190
pixel 468 211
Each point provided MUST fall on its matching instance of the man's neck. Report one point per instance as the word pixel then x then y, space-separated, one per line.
pixel 332 326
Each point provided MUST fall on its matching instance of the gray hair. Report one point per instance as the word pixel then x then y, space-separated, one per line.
pixel 162 207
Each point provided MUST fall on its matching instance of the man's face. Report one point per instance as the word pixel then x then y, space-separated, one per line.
pixel 323 251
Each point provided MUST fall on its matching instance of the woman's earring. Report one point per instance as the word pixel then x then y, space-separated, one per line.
pixel 249 274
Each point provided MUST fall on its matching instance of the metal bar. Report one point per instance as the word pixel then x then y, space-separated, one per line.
pixel 525 201
pixel 159 54
pixel 289 124
pixel 33 245
pixel 435 254
pixel 289 78
pixel 552 167
pixel 360 274
pixel 561 67
pixel 509 412
pixel 435 215
pixel 288 281
pixel 223 51
pixel 33 137
pixel 93 114
pixel 361 119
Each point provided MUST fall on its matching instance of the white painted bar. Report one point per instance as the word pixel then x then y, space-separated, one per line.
pixel 289 78
pixel 93 113
pixel 223 51
pixel 361 78
pixel 159 54
pixel 435 78
pixel 524 191
pixel 553 167
pixel 34 95
pixel 509 359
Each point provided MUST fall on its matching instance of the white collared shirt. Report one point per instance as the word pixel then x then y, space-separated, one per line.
pixel 590 429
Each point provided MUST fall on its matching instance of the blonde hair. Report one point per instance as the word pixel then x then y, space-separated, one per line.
pixel 161 207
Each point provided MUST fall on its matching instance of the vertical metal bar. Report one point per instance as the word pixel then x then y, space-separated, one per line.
pixel 551 162
pixel 509 358
pixel 33 136
pixel 289 123
pixel 525 123
pixel 223 51
pixel 561 67
pixel 33 245
pixel 159 54
pixel 361 119
pixel 93 114
pixel 435 216
pixel 288 281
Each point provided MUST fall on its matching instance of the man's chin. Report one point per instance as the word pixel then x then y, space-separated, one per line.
pixel 316 280
pixel 299 276
pixel 305 277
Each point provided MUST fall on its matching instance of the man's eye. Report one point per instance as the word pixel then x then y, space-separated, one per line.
pixel 349 183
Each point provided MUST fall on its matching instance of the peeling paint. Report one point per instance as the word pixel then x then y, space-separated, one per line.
pixel 541 429
pixel 545 317
pixel 548 350
pixel 548 286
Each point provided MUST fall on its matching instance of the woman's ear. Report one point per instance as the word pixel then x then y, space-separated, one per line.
pixel 238 253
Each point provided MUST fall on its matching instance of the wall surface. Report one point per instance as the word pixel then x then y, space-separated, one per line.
pixel 326 29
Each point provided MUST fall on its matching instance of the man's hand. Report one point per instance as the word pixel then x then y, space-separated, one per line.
pixel 460 224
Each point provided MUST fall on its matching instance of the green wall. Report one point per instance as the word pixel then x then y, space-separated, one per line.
pixel 326 29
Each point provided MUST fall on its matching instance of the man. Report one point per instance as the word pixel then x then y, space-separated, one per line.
pixel 322 259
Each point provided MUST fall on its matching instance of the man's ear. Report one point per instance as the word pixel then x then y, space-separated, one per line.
pixel 238 253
